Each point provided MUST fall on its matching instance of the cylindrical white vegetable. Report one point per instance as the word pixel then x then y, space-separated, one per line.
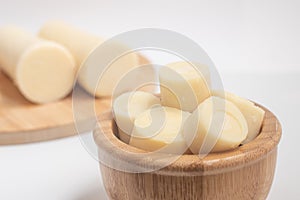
pixel 43 71
pixel 81 44
pixel 127 107
pixel 253 114
pixel 160 128
pixel 216 125
pixel 182 86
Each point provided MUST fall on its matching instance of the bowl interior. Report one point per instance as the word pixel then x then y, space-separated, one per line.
pixel 112 151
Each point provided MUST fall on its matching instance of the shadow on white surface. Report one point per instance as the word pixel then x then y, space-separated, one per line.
pixel 93 194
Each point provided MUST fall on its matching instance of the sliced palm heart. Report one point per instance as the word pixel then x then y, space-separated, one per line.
pixel 216 125
pixel 129 105
pixel 43 71
pixel 182 86
pixel 160 129
pixel 81 44
pixel 253 114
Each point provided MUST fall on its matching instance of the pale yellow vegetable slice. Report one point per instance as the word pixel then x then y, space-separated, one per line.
pixel 253 114
pixel 127 107
pixel 160 129
pixel 216 125
pixel 182 86
pixel 43 71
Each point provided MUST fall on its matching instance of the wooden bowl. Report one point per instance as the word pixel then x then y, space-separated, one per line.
pixel 244 173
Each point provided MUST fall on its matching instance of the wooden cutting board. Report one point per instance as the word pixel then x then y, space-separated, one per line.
pixel 24 122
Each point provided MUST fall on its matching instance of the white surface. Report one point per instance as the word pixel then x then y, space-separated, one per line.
pixel 238 35
pixel 250 36
pixel 63 170
pixel 57 170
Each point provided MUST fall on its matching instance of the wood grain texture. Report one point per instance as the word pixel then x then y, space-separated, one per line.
pixel 23 122
pixel 244 173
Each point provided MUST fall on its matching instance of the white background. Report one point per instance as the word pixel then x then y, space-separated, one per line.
pixel 254 44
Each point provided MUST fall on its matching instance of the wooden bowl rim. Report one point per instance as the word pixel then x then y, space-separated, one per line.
pixel 212 163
